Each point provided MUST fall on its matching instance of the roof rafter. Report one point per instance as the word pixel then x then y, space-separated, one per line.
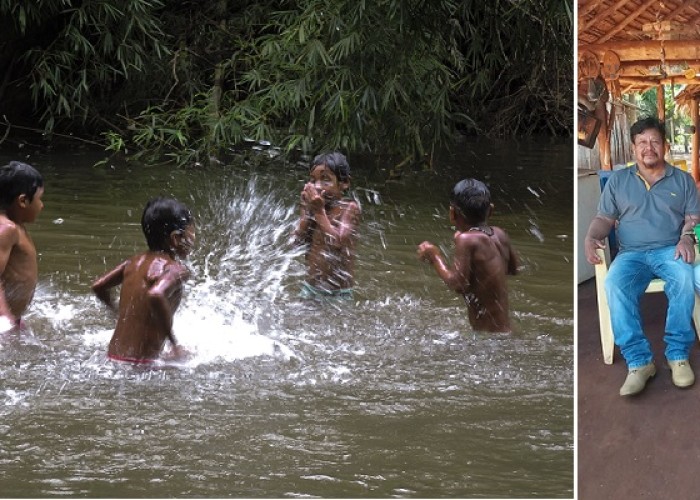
pixel 633 16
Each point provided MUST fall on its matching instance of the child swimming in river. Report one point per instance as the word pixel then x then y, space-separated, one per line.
pixel 151 285
pixel 21 189
pixel 328 226
pixel 483 257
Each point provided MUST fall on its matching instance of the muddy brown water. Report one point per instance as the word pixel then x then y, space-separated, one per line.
pixel 390 395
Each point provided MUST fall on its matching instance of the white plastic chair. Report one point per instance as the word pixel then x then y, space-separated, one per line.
pixel 606 334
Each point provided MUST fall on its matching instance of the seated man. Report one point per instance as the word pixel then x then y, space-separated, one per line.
pixel 656 207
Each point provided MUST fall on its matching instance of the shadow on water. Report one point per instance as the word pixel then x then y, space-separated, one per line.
pixel 391 394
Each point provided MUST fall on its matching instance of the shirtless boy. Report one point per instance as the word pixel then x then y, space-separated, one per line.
pixel 483 257
pixel 328 226
pixel 151 285
pixel 21 189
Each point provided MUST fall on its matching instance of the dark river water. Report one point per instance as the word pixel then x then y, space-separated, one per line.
pixel 389 395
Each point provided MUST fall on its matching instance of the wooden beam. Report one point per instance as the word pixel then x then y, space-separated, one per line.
pixel 695 169
pixel 601 112
pixel 676 12
pixel 628 19
pixel 639 82
pixel 676 50
pixel 628 89
pixel 648 68
pixel 588 8
pixel 651 80
pixel 601 15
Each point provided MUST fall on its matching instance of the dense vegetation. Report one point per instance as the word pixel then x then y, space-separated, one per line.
pixel 191 79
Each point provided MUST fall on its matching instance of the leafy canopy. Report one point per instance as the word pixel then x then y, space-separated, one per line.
pixel 190 79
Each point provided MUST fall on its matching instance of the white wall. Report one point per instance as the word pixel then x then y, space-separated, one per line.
pixel 588 187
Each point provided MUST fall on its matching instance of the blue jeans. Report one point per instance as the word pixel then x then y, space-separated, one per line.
pixel 628 277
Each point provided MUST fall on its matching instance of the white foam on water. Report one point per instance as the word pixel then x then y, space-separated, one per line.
pixel 98 338
pixel 210 337
pixel 214 336
pixel 5 324
pixel 14 398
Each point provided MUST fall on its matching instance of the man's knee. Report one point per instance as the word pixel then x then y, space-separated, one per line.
pixel 683 276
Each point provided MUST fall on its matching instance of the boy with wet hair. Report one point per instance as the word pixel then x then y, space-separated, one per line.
pixel 328 227
pixel 21 190
pixel 483 257
pixel 151 285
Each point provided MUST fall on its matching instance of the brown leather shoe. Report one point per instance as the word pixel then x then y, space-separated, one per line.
pixel 637 379
pixel 681 373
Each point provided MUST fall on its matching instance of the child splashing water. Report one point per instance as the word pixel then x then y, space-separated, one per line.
pixel 328 227
pixel 483 258
pixel 151 286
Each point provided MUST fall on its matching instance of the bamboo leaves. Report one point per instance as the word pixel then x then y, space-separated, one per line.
pixel 189 80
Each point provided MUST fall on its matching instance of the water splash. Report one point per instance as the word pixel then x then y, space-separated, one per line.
pixel 242 268
pixel 248 257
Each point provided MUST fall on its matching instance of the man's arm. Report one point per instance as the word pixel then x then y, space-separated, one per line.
pixel 598 230
pixel 690 222
pixel 686 243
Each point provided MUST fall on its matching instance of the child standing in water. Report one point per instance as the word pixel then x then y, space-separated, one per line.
pixel 483 257
pixel 151 285
pixel 21 189
pixel 328 227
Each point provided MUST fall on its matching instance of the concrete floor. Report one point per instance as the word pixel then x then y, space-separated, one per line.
pixel 645 446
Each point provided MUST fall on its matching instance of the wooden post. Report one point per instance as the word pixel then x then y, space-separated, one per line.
pixel 694 114
pixel 601 112
pixel 660 103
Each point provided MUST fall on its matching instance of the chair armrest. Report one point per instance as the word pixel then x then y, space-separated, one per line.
pixel 606 335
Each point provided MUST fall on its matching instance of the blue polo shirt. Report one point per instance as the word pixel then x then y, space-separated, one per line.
pixel 649 217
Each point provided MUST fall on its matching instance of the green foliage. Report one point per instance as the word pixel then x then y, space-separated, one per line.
pixel 80 54
pixel 328 78
pixel 519 65
pixel 189 79
pixel 677 118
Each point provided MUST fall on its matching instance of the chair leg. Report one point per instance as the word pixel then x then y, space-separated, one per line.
pixel 607 340
pixel 696 315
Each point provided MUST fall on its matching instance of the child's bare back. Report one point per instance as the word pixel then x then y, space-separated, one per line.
pixel 483 257
pixel 485 289
pixel 151 290
pixel 151 285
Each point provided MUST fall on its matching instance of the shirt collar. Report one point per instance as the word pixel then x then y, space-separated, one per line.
pixel 668 169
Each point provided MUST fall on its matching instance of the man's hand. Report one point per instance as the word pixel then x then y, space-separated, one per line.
pixel 590 246
pixel 685 249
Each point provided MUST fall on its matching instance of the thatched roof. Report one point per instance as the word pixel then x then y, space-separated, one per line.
pixel 639 44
